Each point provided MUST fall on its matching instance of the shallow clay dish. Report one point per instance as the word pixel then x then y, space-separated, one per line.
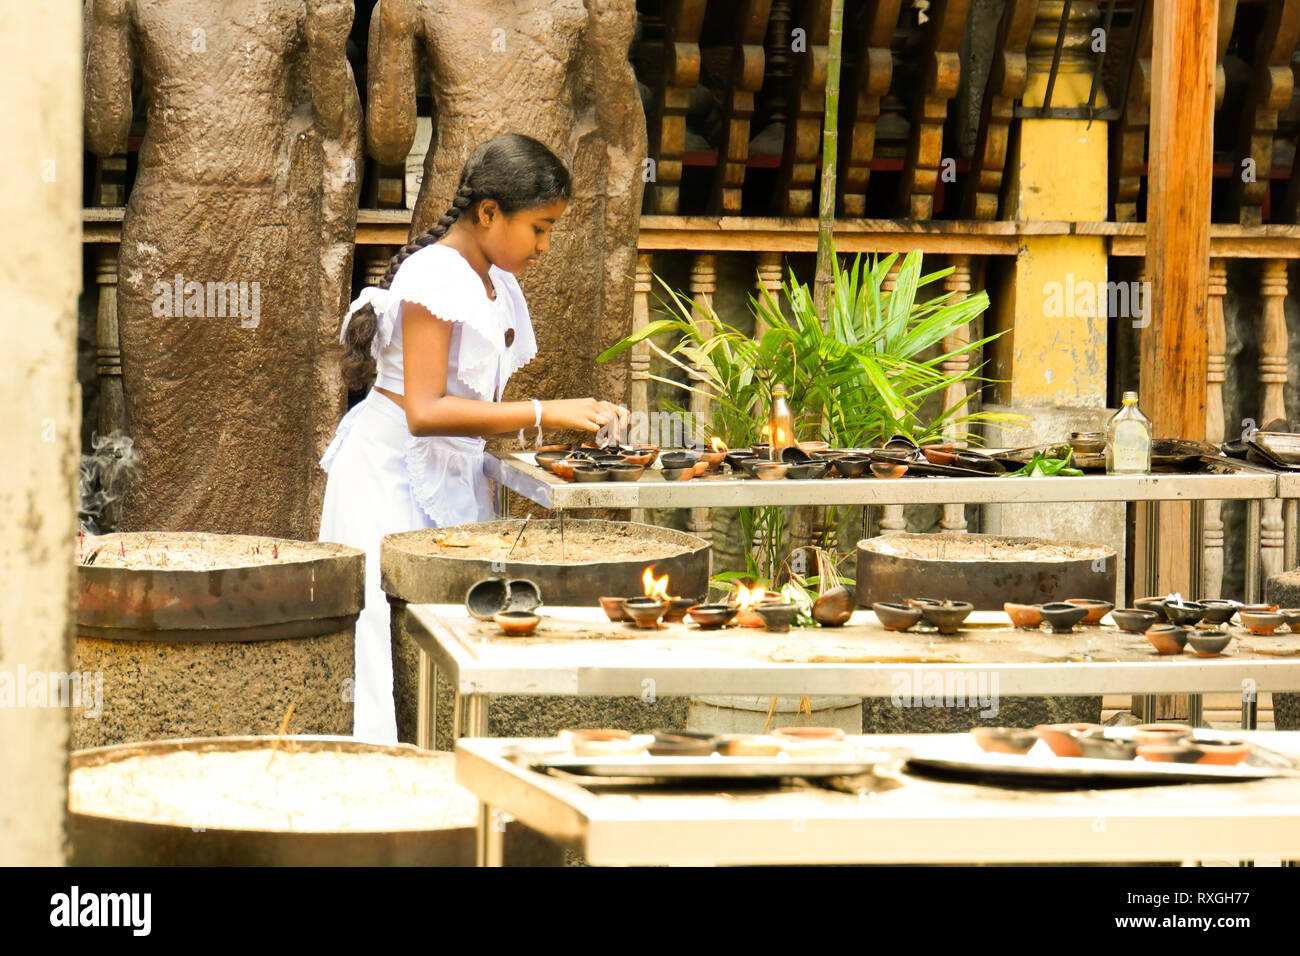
pixel 1062 617
pixel 896 617
pixel 643 455
pixel 1186 614
pixel 777 616
pixel 1026 616
pixel 613 607
pixel 1218 612
pixel 1208 643
pixel 948 616
pixel 1088 443
pixel 885 469
pixel 710 617
pixel 645 612
pixel 586 473
pixel 1156 605
pixel 1063 738
pixel 1004 740
pixel 765 470
pixel 677 608
pixel 547 459
pixel 624 471
pixel 1226 753
pixel 808 733
pixel 1167 638
pixel 809 470
pixel 1257 608
pixel 1292 617
pixel 524 596
pixel 1161 733
pixel 939 455
pixel 1096 609
pixel 1260 622
pixel 851 466
pixel 678 474
pixel 1169 753
pixel 564 467
pixel 516 623
pixel 486 597
pixel 750 745
pixel 1133 619
pixel 682 743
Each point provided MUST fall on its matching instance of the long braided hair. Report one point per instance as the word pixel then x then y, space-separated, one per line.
pixel 515 171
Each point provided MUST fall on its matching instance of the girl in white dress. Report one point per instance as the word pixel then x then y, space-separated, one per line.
pixel 439 338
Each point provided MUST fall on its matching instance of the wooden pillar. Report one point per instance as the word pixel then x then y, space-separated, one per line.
pixel 640 393
pixel 954 515
pixel 704 281
pixel 1216 366
pixel 1174 348
pixel 1272 381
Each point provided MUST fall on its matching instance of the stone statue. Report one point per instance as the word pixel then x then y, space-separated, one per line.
pixel 236 252
pixel 556 70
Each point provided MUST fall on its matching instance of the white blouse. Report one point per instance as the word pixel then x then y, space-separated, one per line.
pixel 490 340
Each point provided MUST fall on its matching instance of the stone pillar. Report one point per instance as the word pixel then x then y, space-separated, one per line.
pixel 40 277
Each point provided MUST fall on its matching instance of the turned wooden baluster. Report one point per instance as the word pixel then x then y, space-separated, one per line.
pixel 747 61
pixel 872 75
pixel 954 515
pixel 639 410
pixel 1216 364
pixel 1272 380
pixel 109 190
pixel 704 281
pixel 803 128
pixel 770 277
pixel 892 518
pixel 667 125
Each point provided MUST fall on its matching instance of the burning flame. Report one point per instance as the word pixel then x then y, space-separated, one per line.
pixel 747 597
pixel 654 587
pixel 718 444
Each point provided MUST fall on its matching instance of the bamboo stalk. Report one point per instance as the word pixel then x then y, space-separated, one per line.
pixel 830 150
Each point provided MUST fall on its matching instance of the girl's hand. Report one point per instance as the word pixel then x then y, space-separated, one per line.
pixel 583 414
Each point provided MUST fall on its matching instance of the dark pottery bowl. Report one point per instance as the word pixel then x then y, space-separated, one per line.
pixel 682 743
pixel 678 474
pixel 1025 616
pixel 645 612
pixel 1105 748
pixel 624 471
pixel 643 455
pixel 1224 753
pixel 976 461
pixel 585 473
pixel 1217 611
pixel 851 466
pixel 1062 617
pixel 1208 643
pixel 1088 443
pixel 887 469
pixel 794 455
pixel 524 595
pixel 1169 753
pixel 1133 619
pixel 1260 622
pixel 1063 739
pixel 1096 609
pixel 486 597
pixel 677 608
pixel 678 459
pixel 613 607
pixel 810 469
pixel 1156 605
pixel 1167 638
pixel 939 454
pixel 516 623
pixel 737 457
pixel 1186 614
pixel 834 607
pixel 1004 740
pixel 947 617
pixel 765 470
pixel 563 468
pixel 1292 617
pixel 761 450
pixel 710 617
pixel 1256 608
pixel 896 617
pixel 813 447
pixel 1161 733
pixel 777 616
pixel 901 442
pixel 547 459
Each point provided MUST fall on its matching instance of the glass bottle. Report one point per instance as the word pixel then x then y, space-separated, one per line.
pixel 1128 440
pixel 780 422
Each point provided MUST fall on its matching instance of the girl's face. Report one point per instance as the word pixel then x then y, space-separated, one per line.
pixel 514 242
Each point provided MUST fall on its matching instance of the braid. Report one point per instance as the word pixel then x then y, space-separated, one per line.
pixel 358 362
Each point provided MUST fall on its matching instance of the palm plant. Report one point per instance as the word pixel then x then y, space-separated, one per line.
pixel 863 377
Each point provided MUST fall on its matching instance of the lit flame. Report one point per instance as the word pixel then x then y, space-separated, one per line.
pixel 718 444
pixel 747 597
pixel 654 587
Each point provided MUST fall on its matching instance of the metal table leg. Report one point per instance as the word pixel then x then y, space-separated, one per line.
pixel 1252 551
pixel 457 715
pixel 427 695
pixel 1249 706
pixel 1195 711
pixel 490 837
pixel 476 715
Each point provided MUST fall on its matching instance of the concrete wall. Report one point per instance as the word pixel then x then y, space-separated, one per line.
pixel 40 274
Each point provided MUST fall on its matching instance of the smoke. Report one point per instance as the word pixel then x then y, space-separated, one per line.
pixel 104 476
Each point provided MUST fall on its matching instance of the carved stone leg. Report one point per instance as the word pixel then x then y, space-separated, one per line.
pixel 1272 379
pixel 640 408
pixel 1212 540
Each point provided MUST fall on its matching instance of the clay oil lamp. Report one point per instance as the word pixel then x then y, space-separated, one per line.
pixel 777 615
pixel 749 745
pixel 605 742
pixel 813 447
pixel 657 589
pixel 765 470
pixel 896 617
pixel 486 597
pixel 715 454
pixel 1063 739
pixel 589 473
pixel 761 450
pixel 643 455
pixel 556 446
pixel 1096 609
pixel 624 471
pixel 1167 638
pixel 1292 617
pixel 1260 622
pixel 563 468
pixel 645 612
pixel 1169 753
pixel 1061 617
pixel 939 454
pixel 1004 740
pixel 834 607
pixel 948 616
pixel 888 469
pixel 737 457
pixel 901 443
pixel 745 599
pixel 1208 643
pixel 524 595
pixel 1106 748
pixel 809 470
pixel 1161 733
pixel 1257 608
pixel 677 607
pixel 1088 443
pixel 794 455
pixel 516 623
pixel 919 603
pixel 710 617
pixel 1133 619
pixel 678 458
pixel 851 466
pixel 1184 613
pixel 1154 604
pixel 614 609
pixel 1224 753
pixel 682 743
pixel 547 459
pixel 1028 617
pixel 1217 611
pixel 678 474
pixel 806 742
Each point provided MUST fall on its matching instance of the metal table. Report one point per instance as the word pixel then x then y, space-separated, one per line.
pixel 923 821
pixel 577 651
pixel 518 472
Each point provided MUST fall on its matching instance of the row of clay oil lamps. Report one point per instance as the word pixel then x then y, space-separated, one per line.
pixel 1154 743
pixel 791 742
pixel 756 608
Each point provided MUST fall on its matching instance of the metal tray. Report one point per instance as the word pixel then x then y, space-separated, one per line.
pixel 711 768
